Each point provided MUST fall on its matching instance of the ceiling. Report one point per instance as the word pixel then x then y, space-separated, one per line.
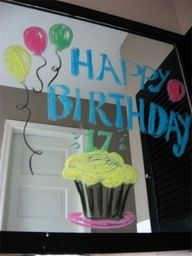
pixel 172 15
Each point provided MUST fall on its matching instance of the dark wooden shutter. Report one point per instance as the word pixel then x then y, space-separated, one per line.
pixel 168 178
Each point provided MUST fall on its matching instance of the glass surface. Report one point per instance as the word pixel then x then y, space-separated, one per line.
pixel 71 93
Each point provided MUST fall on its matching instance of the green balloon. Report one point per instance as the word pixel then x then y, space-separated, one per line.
pixel 61 36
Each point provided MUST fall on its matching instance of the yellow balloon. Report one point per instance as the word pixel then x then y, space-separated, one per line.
pixel 18 62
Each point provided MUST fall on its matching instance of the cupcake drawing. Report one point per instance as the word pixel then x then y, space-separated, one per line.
pixel 103 182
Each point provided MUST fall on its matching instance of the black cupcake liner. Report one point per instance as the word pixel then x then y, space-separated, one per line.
pixel 99 202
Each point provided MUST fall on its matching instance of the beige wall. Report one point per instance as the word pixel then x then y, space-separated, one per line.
pixel 135 48
pixel 184 13
pixel 172 15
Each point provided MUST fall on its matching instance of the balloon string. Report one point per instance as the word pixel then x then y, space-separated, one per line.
pixel 37 74
pixel 22 107
pixel 56 69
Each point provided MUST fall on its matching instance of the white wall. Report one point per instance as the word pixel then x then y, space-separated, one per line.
pixel 85 37
pixel 172 15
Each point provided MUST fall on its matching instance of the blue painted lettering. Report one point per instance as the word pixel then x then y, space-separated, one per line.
pixel 93 109
pixel 119 114
pixel 173 126
pixel 158 116
pixel 163 77
pixel 63 99
pixel 182 140
pixel 106 66
pixel 77 112
pixel 123 71
pixel 147 77
pixel 76 63
pixel 139 114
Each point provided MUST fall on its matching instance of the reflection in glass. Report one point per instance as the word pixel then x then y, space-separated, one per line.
pixel 103 90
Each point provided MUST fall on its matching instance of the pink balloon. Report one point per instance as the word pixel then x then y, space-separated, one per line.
pixel 35 39
pixel 176 90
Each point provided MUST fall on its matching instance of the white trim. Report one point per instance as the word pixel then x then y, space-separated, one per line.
pixel 12 127
pixel 144 226
pixel 5 152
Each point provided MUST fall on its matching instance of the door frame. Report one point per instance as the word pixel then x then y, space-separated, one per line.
pixel 11 127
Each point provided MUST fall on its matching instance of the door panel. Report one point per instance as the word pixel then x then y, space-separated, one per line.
pixel 40 202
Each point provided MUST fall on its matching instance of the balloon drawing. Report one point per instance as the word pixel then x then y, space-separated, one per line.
pixel 18 63
pixel 61 36
pixel 35 39
pixel 175 90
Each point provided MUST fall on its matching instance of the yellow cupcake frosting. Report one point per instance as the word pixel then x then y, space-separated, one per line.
pixel 99 166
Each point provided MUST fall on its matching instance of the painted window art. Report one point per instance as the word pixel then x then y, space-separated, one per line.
pixel 98 109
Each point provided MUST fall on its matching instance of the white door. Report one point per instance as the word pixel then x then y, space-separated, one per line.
pixel 40 202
